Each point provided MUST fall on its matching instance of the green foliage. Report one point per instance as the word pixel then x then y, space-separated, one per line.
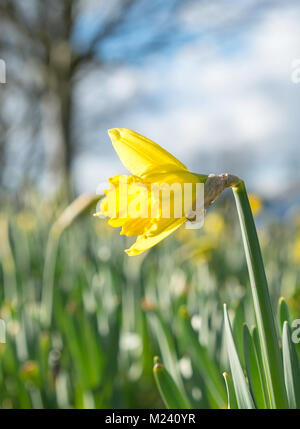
pixel 83 320
pixel 263 376
pixel 232 401
pixel 261 300
pixel 291 368
pixel 253 371
pixel 242 392
pixel 172 397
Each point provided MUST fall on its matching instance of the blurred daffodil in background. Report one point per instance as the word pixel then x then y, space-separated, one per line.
pixel 296 250
pixel 199 248
pixel 255 203
pixel 214 224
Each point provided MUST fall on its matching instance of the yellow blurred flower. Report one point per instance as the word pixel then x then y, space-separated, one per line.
pixel 296 249
pixel 184 235
pixel 29 370
pixel 255 204
pixel 203 251
pixel 214 224
pixel 200 248
pixel 149 164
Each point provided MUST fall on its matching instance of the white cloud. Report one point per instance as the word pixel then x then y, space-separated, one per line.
pixel 213 14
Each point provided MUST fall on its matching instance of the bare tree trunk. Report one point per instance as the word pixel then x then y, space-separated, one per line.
pixel 56 136
pixel 58 106
pixel 66 105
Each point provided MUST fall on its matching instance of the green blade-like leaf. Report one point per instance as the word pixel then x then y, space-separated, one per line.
pixel 168 389
pixel 261 298
pixel 202 360
pixel 166 346
pixel 256 343
pixel 291 368
pixel 253 372
pixel 242 392
pixel 283 313
pixel 232 402
pixel 237 329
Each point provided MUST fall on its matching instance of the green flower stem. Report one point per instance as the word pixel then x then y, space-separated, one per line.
pixel 262 303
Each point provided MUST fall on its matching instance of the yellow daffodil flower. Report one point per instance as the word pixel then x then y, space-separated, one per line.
pixel 149 164
pixel 214 224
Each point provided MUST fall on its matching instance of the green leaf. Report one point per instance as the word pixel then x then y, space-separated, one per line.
pixel 256 344
pixel 166 346
pixel 232 402
pixel 283 313
pixel 261 298
pixel 253 372
pixel 168 389
pixel 242 392
pixel 237 329
pixel 291 368
pixel 202 360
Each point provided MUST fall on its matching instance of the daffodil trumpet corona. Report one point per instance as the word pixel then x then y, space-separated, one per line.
pixel 159 196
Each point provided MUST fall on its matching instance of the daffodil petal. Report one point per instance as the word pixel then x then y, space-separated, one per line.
pixel 139 154
pixel 145 242
pixel 168 174
pixel 136 226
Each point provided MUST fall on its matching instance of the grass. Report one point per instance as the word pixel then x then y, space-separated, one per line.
pixel 84 321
